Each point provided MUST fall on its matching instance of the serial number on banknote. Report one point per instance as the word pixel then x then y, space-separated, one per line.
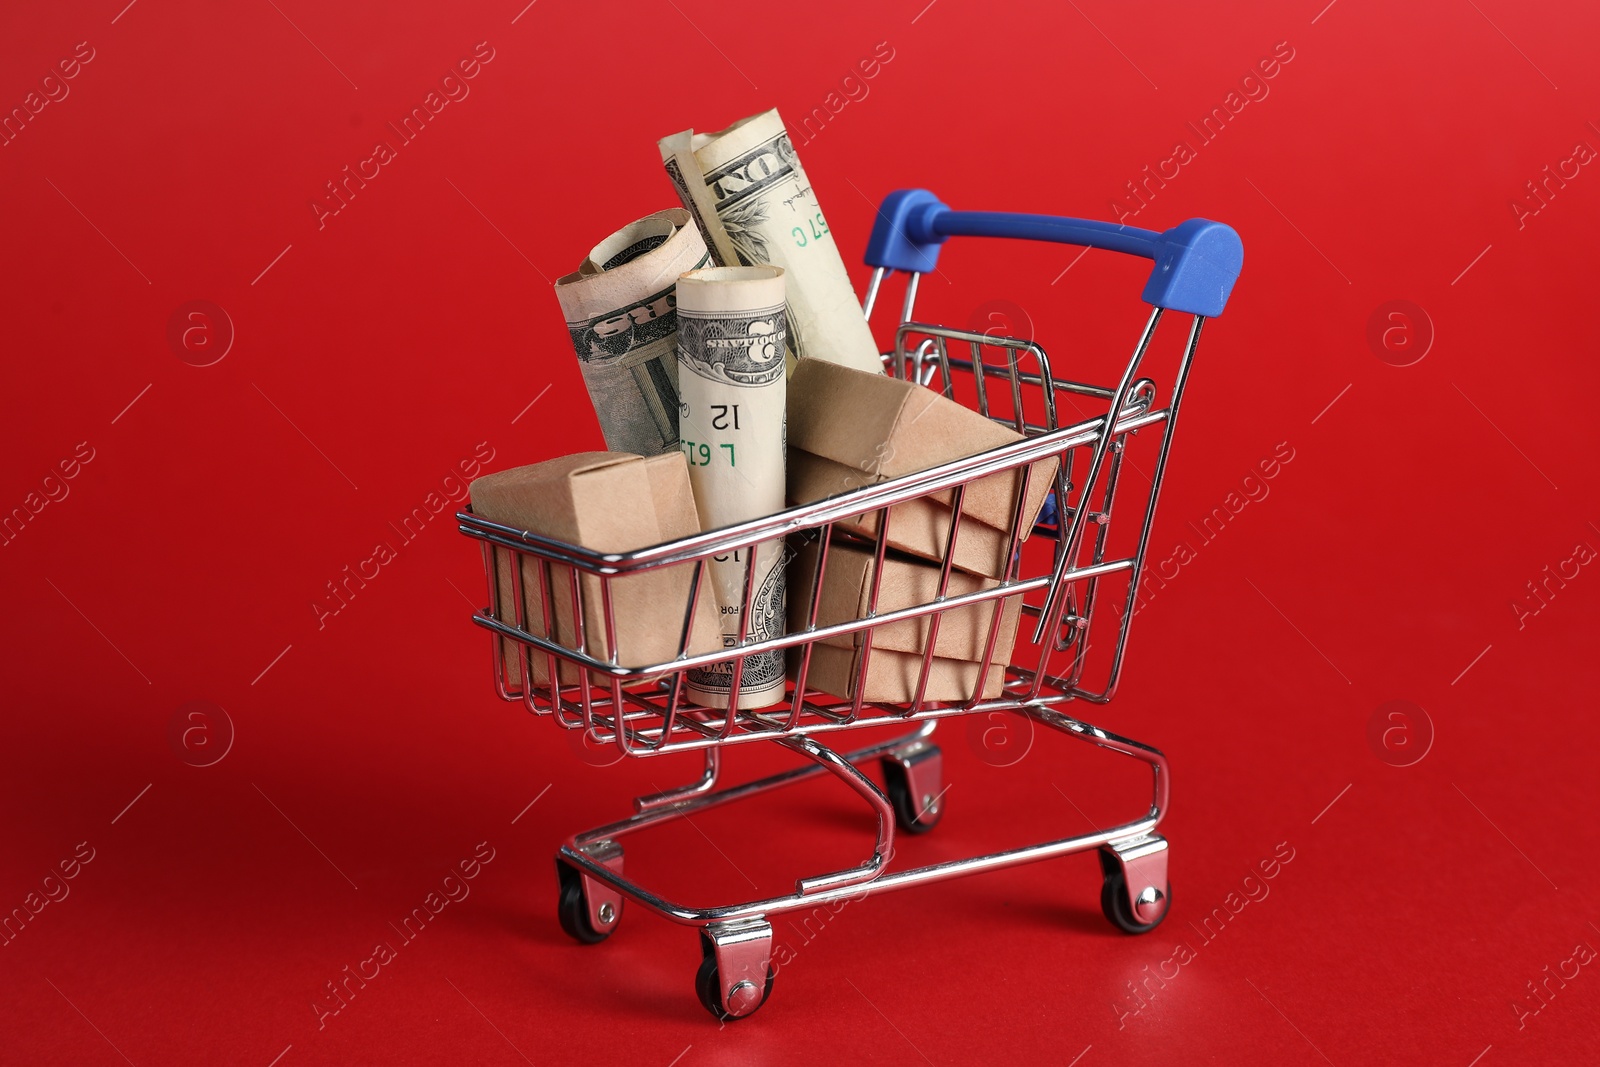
pixel 703 454
pixel 817 226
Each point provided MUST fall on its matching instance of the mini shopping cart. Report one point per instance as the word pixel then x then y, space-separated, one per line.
pixel 644 711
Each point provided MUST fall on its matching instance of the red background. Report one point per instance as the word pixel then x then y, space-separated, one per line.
pixel 373 353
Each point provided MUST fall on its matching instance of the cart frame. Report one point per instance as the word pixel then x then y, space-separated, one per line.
pixel 644 711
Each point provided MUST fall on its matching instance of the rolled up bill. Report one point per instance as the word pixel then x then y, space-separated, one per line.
pixel 621 315
pixel 731 385
pixel 753 204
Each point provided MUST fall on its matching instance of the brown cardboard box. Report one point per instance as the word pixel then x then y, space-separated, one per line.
pixel 607 502
pixel 848 429
pixel 898 648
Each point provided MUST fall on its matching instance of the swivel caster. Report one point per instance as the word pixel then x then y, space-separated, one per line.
pixel 1136 893
pixel 912 777
pixel 589 909
pixel 735 976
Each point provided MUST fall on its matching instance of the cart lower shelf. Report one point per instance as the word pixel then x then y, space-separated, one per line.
pixel 736 973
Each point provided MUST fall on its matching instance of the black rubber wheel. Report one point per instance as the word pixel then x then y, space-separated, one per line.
pixel 573 910
pixel 1114 899
pixel 708 986
pixel 898 786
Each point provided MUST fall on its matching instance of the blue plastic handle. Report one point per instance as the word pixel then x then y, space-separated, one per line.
pixel 1196 262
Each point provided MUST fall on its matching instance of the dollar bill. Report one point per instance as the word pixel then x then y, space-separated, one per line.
pixel 731 334
pixel 621 314
pixel 753 204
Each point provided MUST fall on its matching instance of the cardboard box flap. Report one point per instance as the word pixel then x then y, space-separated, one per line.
pixel 848 429
pixel 922 526
pixel 846 415
pixel 575 499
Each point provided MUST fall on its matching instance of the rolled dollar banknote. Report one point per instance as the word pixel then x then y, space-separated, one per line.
pixel 621 314
pixel 730 362
pixel 753 204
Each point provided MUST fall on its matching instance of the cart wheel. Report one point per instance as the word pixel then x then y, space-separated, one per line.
pixel 708 987
pixel 1114 903
pixel 573 910
pixel 913 814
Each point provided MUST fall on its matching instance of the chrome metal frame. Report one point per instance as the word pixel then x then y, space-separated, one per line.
pixel 644 709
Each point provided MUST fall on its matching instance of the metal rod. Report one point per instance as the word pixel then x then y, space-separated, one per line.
pixel 977 596
pixel 1156 481
pixel 828 892
pixel 703 785
pixel 806 516
pixel 878 274
pixel 1109 427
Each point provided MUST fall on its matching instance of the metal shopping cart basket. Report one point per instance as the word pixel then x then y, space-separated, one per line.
pixel 644 711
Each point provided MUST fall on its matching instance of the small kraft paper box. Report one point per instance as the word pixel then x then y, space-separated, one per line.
pixel 848 429
pixel 895 662
pixel 605 502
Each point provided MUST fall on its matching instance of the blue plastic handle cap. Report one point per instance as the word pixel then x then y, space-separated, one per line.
pixel 901 239
pixel 1196 262
pixel 1196 266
